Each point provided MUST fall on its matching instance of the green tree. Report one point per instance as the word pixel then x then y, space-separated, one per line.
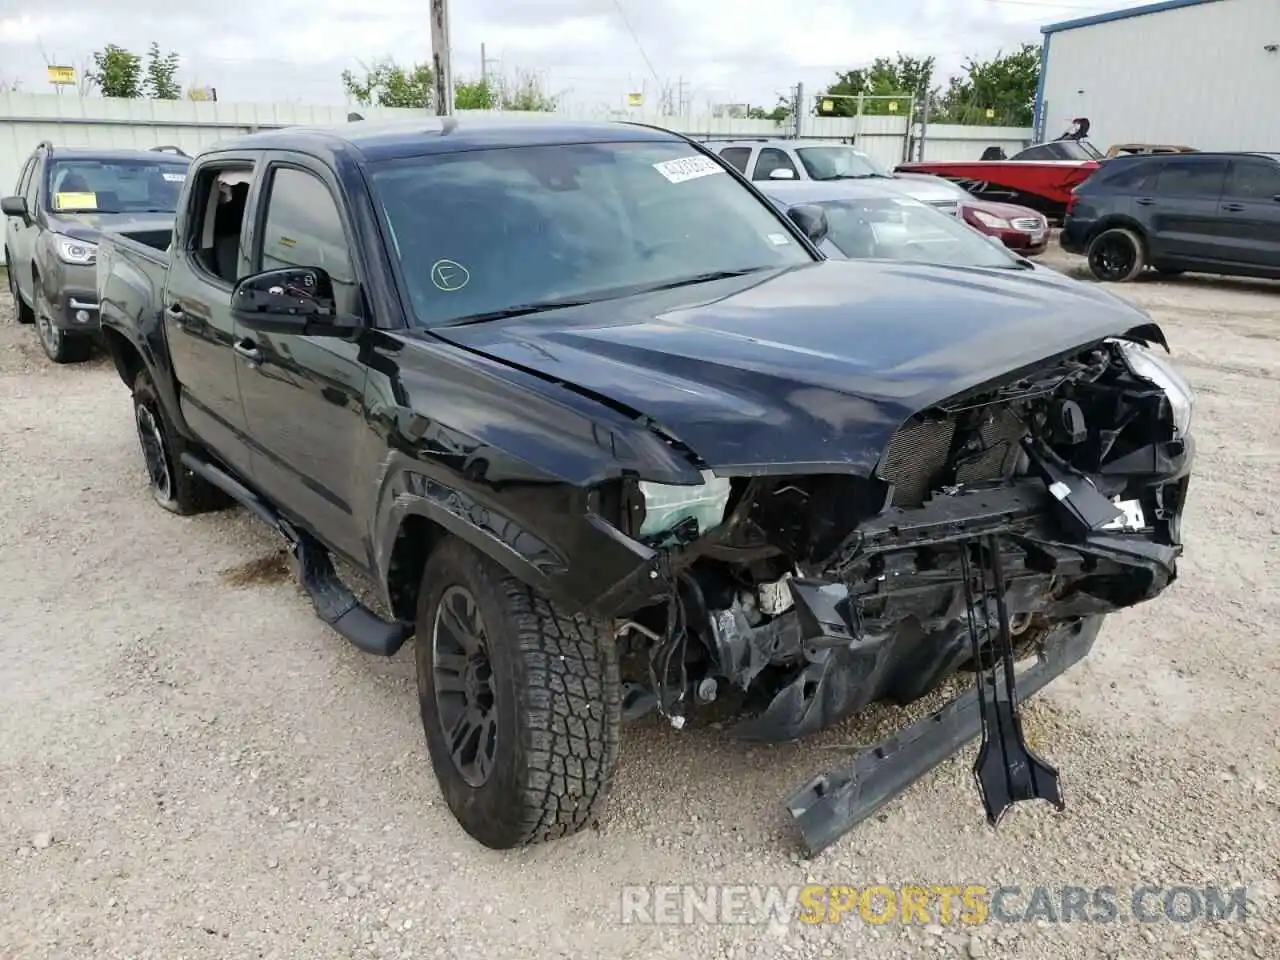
pixel 477 95
pixel 1005 85
pixel 901 77
pixel 525 92
pixel 779 114
pixel 387 84
pixel 161 82
pixel 117 72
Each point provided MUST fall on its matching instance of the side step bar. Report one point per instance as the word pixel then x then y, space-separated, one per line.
pixel 333 600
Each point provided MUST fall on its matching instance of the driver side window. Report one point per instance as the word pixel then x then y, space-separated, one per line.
pixel 771 159
pixel 303 228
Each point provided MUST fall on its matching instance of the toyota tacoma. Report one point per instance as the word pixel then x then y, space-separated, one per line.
pixel 612 439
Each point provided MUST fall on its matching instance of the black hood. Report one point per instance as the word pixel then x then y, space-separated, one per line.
pixel 811 369
pixel 89 226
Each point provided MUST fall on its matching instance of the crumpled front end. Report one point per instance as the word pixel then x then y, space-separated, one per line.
pixel 1000 524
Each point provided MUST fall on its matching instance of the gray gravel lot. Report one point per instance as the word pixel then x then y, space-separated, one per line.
pixel 192 765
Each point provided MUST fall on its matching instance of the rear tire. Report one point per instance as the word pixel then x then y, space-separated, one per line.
pixel 174 487
pixel 521 703
pixel 1117 255
pixel 57 345
pixel 20 309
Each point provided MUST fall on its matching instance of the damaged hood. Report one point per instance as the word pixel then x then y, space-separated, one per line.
pixel 811 369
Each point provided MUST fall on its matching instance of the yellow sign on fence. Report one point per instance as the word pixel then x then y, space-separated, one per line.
pixel 62 76
pixel 635 99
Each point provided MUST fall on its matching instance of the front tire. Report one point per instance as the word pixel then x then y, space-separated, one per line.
pixel 57 345
pixel 521 703
pixel 173 486
pixel 1117 255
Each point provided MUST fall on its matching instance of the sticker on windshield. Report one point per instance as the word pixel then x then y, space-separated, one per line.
pixel 75 201
pixel 687 168
pixel 779 239
pixel 449 275
pixel 175 177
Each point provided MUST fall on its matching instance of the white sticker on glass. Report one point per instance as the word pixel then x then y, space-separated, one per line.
pixel 687 168
pixel 175 177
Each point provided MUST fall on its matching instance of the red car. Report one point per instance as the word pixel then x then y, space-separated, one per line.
pixel 1021 229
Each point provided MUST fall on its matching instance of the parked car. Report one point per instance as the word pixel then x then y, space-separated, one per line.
pixel 63 200
pixel 1127 149
pixel 771 160
pixel 609 436
pixel 858 211
pixel 1206 212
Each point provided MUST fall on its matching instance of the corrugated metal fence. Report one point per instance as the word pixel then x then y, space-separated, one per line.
pixel 26 119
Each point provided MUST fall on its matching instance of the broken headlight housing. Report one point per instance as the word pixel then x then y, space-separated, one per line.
pixel 1145 363
pixel 668 506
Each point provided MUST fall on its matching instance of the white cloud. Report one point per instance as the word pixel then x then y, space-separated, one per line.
pixel 722 50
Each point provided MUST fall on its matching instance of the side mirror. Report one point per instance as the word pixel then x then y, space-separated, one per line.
pixel 782 173
pixel 289 300
pixel 14 207
pixel 811 219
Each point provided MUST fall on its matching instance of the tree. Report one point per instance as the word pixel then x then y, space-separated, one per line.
pixel 162 75
pixel 525 92
pixel 478 95
pixel 117 72
pixel 1005 84
pixel 779 114
pixel 386 84
pixel 902 77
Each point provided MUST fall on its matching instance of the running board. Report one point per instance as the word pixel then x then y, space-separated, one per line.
pixel 333 600
pixel 829 806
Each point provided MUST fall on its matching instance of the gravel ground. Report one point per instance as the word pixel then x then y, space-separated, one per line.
pixel 191 765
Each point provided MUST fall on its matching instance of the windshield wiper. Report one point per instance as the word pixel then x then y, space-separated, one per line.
pixel 519 310
pixel 702 278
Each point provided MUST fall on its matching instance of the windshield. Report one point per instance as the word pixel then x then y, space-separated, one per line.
pixel 896 228
pixel 839 163
pixel 486 231
pixel 115 186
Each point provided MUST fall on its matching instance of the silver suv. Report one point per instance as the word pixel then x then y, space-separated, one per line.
pixel 823 160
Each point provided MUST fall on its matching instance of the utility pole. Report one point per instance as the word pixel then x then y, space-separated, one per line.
pixel 484 68
pixel 440 57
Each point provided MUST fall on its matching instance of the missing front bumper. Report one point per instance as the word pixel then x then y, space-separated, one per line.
pixel 832 804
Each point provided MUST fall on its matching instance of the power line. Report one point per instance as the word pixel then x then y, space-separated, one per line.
pixel 639 46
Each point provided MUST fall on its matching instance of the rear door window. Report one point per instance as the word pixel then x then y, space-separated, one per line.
pixel 1253 179
pixel 736 157
pixel 1192 177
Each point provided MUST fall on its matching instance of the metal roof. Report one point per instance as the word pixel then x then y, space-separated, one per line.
pixel 1122 15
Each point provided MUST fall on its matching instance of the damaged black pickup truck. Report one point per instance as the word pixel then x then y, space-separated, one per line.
pixel 610 438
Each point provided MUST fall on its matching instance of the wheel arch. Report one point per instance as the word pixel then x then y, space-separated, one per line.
pixel 126 357
pixel 1120 220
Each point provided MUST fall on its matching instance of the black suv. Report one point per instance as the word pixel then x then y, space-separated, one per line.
pixel 64 197
pixel 1207 212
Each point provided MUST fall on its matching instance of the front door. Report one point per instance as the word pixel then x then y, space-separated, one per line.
pixel 20 234
pixel 1183 209
pixel 303 396
pixel 1250 210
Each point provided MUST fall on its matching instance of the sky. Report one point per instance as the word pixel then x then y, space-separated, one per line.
pixel 591 53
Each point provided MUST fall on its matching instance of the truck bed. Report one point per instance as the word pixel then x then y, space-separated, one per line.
pixel 132 266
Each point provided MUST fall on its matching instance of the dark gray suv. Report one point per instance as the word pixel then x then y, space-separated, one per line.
pixel 64 198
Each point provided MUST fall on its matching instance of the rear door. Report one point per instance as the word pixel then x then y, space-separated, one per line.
pixel 303 396
pixel 207 257
pixel 1250 212
pixel 1182 209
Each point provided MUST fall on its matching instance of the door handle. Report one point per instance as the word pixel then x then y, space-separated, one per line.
pixel 246 350
pixel 1145 202
pixel 1233 207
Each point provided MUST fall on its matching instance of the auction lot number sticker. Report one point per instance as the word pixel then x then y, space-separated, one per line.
pixel 687 168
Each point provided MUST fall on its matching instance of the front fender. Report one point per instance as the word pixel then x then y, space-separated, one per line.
pixel 540 531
